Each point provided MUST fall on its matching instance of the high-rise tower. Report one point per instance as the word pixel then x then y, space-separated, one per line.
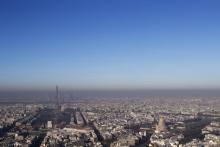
pixel 57 95
pixel 57 101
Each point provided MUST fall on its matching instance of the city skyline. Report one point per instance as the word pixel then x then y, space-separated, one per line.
pixel 109 73
pixel 93 45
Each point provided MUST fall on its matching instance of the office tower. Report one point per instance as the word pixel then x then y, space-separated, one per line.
pixel 49 124
pixel 58 102
pixel 57 94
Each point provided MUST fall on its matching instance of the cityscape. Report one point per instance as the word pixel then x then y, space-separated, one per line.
pixel 112 122
pixel 109 73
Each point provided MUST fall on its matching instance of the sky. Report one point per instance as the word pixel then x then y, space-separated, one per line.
pixel 109 44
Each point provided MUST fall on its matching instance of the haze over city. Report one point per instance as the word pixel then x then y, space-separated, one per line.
pixel 90 45
pixel 109 73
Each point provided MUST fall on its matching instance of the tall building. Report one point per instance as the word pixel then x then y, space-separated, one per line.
pixel 49 125
pixel 57 94
pixel 57 101
pixel 161 127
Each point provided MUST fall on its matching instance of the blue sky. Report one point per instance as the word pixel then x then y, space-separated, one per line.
pixel 109 44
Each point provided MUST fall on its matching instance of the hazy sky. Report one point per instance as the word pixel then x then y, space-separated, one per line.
pixel 93 44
